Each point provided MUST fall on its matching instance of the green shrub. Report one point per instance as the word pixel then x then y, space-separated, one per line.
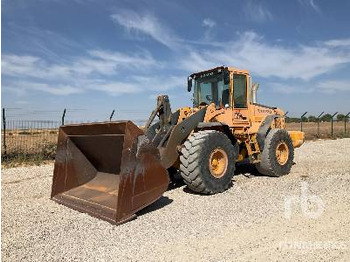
pixel 49 151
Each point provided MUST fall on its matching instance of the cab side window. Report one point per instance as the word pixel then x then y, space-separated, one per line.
pixel 240 91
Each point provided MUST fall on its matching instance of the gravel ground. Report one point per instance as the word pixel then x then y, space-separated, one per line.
pixel 248 222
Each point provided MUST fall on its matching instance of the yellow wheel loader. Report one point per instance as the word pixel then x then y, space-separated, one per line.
pixel 113 169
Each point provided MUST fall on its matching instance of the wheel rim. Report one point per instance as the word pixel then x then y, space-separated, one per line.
pixel 282 153
pixel 218 162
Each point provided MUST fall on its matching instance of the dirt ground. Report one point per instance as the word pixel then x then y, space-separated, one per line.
pixel 304 216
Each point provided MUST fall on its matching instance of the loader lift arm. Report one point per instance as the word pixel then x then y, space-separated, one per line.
pixel 162 110
pixel 167 134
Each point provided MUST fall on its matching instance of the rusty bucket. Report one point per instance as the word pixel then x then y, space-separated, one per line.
pixel 109 170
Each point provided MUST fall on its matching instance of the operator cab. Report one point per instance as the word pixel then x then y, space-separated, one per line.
pixel 215 85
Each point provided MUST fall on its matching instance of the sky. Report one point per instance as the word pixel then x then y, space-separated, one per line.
pixel 94 56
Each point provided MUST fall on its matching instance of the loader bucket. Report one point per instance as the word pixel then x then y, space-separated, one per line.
pixel 109 170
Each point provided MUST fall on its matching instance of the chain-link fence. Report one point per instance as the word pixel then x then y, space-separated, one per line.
pixel 36 139
pixel 28 138
pixel 314 130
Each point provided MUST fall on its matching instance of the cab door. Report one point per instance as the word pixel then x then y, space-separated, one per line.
pixel 240 99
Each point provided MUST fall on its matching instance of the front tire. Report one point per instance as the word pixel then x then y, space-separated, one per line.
pixel 278 154
pixel 207 162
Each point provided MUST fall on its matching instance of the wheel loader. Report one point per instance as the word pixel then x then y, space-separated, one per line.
pixel 111 170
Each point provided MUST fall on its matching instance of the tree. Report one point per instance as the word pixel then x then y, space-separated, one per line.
pixel 326 118
pixel 312 119
pixel 292 120
pixel 304 119
pixel 340 117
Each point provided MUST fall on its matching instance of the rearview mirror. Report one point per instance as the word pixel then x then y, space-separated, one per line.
pixel 189 84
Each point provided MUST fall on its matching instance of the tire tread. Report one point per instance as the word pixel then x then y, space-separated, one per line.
pixel 190 160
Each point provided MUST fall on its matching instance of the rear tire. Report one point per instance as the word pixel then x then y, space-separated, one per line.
pixel 207 162
pixel 278 154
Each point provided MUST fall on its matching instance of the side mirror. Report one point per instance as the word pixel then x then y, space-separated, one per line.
pixel 226 78
pixel 189 84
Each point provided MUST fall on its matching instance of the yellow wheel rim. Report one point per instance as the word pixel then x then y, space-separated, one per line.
pixel 218 162
pixel 282 153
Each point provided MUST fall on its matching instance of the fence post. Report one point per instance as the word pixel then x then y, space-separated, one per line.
pixel 332 126
pixel 318 124
pixel 301 121
pixel 111 116
pixel 63 116
pixel 345 120
pixel 285 117
pixel 4 127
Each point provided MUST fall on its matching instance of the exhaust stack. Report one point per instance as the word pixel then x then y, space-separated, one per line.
pixel 254 91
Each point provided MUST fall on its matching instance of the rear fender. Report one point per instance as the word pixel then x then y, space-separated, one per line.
pixel 264 129
pixel 297 137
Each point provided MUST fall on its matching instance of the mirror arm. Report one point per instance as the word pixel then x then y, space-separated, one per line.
pixel 189 84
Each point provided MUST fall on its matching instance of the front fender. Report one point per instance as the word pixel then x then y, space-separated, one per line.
pixel 168 152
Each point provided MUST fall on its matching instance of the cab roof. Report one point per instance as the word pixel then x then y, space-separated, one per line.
pixel 231 69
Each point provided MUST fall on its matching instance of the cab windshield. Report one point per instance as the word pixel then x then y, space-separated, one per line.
pixel 210 88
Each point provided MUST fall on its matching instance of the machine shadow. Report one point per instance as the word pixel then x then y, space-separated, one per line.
pixel 160 203
pixel 175 182
pixel 246 169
